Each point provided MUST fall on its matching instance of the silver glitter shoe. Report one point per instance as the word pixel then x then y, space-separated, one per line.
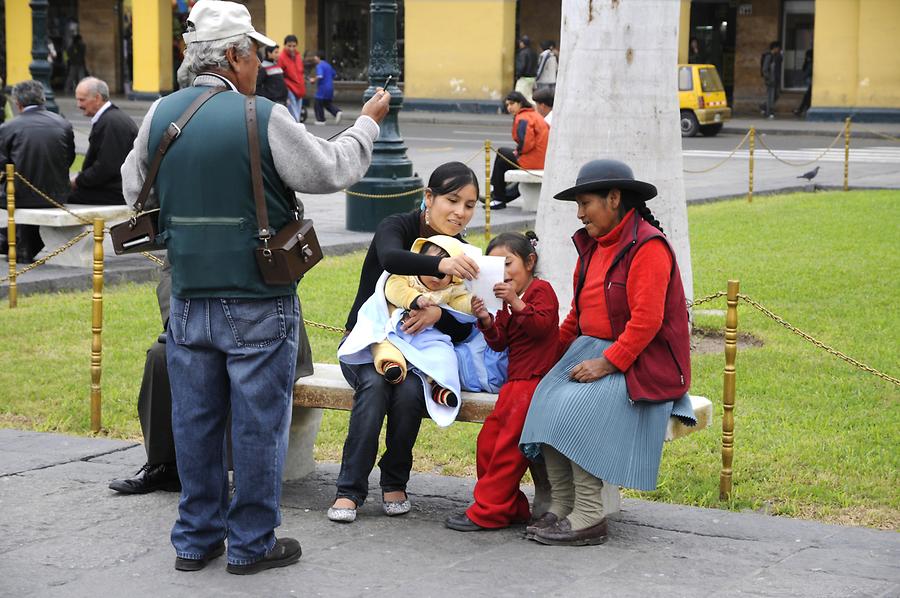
pixel 392 508
pixel 342 515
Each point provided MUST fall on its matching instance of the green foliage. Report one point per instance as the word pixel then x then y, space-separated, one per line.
pixel 814 436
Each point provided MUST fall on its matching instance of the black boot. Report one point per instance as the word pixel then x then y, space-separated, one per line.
pixel 149 479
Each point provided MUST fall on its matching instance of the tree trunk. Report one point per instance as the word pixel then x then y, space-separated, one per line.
pixel 616 97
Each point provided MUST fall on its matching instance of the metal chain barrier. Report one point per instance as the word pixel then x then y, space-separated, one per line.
pixel 706 299
pixel 873 132
pixel 817 342
pixel 385 195
pixel 762 142
pixel 323 326
pixel 726 159
pixel 51 255
pixel 55 203
pixel 514 165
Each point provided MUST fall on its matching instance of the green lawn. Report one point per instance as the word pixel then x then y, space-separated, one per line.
pixel 814 437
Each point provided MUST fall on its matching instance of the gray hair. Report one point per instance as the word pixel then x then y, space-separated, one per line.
pixel 29 93
pixel 203 56
pixel 97 86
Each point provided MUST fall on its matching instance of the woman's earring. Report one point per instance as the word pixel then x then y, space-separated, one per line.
pixel 465 232
pixel 427 223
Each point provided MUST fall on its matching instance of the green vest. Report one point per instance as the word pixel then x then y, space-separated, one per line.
pixel 207 213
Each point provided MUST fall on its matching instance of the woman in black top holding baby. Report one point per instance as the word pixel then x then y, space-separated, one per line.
pixel 450 200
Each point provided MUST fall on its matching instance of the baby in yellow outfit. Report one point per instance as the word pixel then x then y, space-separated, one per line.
pixel 419 292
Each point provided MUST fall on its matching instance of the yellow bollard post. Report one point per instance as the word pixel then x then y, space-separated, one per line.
pixel 97 326
pixel 731 324
pixel 487 190
pixel 847 154
pixel 752 146
pixel 11 233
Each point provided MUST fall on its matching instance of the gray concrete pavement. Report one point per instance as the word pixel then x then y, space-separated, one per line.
pixel 64 534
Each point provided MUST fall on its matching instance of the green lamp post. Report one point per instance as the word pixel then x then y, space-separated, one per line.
pixel 391 172
pixel 39 67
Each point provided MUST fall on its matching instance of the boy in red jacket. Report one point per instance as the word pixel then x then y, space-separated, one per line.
pixel 291 62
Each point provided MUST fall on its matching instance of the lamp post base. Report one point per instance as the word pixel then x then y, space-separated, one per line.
pixel 364 213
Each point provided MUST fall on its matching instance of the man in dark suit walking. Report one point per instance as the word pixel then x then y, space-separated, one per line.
pixel 41 144
pixel 112 136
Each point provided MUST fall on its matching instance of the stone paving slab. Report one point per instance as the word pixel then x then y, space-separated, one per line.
pixel 63 533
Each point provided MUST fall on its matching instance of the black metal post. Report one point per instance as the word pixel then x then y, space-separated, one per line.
pixel 39 67
pixel 391 172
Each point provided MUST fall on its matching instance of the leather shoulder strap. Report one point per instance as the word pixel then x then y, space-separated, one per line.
pixel 171 134
pixel 262 213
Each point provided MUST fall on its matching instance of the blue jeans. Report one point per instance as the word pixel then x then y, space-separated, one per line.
pixel 375 398
pixel 235 355
pixel 294 105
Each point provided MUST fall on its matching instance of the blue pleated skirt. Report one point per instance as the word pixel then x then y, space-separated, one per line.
pixel 596 424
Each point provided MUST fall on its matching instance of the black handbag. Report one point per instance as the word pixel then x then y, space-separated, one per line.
pixel 141 232
pixel 285 257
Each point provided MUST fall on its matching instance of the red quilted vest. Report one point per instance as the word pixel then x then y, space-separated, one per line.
pixel 662 372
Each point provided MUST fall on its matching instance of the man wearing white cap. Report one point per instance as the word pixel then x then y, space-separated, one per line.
pixel 232 339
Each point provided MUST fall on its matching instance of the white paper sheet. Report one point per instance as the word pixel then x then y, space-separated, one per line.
pixel 490 272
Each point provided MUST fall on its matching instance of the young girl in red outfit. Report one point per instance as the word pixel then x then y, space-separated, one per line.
pixel 527 326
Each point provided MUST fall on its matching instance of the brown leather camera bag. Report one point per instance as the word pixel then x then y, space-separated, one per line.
pixel 285 257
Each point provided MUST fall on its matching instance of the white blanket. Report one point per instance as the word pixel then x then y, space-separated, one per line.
pixel 429 354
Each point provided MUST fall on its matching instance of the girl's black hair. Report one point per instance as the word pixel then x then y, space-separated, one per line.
pixel 450 177
pixel 516 96
pixel 521 245
pixel 428 246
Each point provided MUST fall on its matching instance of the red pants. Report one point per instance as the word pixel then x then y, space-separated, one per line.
pixel 500 463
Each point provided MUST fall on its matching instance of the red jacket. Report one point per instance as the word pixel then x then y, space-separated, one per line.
pixel 662 370
pixel 293 72
pixel 529 334
pixel 530 132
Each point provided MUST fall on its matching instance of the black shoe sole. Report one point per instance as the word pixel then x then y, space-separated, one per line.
pixel 125 489
pixel 466 527
pixel 264 564
pixel 198 564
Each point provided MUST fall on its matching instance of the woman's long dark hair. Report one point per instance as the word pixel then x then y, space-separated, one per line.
pixel 450 177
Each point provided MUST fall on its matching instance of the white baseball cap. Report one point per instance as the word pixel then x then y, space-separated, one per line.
pixel 217 19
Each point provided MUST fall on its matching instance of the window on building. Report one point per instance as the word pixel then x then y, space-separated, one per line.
pixel 799 16
pixel 344 36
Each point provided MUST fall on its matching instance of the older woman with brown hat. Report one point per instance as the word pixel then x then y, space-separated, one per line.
pixel 600 415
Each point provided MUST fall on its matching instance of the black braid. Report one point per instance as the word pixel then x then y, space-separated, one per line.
pixel 642 209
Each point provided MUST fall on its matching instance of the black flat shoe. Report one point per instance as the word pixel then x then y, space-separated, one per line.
pixel 182 564
pixel 498 205
pixel 285 552
pixel 461 523
pixel 149 479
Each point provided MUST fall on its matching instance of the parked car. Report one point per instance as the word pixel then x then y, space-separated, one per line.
pixel 702 100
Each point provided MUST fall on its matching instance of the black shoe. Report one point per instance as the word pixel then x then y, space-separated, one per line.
pixel 197 564
pixel 461 523
pixel 149 479
pixel 498 205
pixel 285 552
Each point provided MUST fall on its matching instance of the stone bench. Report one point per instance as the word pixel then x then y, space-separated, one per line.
pixel 58 227
pixel 327 389
pixel 529 186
